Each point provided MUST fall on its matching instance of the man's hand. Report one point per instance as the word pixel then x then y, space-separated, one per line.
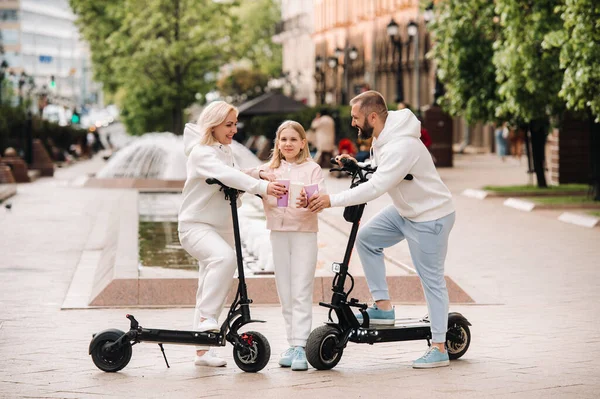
pixel 276 189
pixel 267 176
pixel 339 157
pixel 319 202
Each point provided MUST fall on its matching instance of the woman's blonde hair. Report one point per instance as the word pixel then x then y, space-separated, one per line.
pixel 213 115
pixel 277 156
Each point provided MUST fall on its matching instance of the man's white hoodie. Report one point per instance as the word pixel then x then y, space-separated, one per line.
pixel 397 152
pixel 204 206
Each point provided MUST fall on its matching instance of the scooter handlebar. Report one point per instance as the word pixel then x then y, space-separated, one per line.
pixel 350 165
pixel 212 181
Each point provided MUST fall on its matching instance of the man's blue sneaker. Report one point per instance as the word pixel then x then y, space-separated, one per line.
pixel 299 363
pixel 286 357
pixel 432 358
pixel 378 316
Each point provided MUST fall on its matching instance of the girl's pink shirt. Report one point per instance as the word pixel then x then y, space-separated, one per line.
pixel 292 218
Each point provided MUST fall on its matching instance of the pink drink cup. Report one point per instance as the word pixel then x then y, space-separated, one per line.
pixel 283 201
pixel 311 190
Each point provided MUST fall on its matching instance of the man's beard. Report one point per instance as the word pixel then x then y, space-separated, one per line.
pixel 365 132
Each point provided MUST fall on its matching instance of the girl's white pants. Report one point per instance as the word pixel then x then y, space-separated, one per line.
pixel 217 264
pixel 295 260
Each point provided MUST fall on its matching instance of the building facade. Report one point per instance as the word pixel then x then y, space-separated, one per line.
pixel 40 39
pixel 294 32
pixel 346 47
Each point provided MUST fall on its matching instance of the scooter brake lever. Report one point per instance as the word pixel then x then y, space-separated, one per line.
pixel 134 322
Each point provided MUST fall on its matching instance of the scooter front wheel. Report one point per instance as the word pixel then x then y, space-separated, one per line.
pixel 321 348
pixel 255 354
pixel 110 359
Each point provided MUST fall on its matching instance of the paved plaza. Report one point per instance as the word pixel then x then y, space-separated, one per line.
pixel 535 329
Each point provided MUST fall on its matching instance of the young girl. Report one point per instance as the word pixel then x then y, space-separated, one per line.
pixel 205 224
pixel 293 237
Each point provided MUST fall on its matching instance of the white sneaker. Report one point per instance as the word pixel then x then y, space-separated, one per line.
pixel 210 359
pixel 208 325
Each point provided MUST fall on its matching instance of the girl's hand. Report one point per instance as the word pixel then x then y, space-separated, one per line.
pixel 267 176
pixel 302 201
pixel 276 190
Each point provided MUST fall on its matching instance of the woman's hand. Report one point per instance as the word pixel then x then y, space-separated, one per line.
pixel 266 176
pixel 276 189
pixel 302 202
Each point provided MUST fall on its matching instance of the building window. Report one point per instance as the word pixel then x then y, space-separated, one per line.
pixel 9 15
pixel 10 36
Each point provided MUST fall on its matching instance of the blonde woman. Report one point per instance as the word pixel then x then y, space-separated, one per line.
pixel 205 224
pixel 293 237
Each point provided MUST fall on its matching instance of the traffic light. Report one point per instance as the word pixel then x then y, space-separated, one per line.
pixel 75 118
pixel 52 82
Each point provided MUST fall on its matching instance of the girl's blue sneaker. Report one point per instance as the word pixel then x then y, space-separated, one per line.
pixel 287 357
pixel 432 358
pixel 299 363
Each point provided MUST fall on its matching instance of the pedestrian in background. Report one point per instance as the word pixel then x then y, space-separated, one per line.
pixel 501 135
pixel 205 221
pixel 324 127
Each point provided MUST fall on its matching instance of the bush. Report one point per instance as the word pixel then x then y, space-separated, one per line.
pixel 12 131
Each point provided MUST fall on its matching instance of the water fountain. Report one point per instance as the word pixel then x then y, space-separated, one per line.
pixel 159 156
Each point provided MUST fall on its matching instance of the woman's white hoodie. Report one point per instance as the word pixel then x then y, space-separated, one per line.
pixel 397 152
pixel 203 204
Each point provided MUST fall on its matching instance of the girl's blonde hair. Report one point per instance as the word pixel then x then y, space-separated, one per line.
pixel 277 156
pixel 213 115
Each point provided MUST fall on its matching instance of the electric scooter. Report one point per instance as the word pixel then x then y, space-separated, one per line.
pixel 326 343
pixel 111 349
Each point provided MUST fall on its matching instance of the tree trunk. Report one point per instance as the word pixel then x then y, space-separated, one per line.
pixel 539 130
pixel 177 112
pixel 595 158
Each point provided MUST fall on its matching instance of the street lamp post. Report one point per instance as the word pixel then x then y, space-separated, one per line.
pixel 332 63
pixel 413 32
pixel 3 68
pixel 393 31
pixel 428 16
pixel 22 80
pixel 350 54
pixel 320 78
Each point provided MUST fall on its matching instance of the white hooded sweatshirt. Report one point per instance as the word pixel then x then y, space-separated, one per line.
pixel 397 152
pixel 203 204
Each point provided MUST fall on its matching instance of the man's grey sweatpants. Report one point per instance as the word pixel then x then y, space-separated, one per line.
pixel 428 244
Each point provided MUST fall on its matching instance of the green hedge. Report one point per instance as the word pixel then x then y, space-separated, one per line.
pixel 12 131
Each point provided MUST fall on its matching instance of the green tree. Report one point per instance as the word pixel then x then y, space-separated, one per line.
pixel 529 75
pixel 158 54
pixel 243 81
pixel 579 44
pixel 252 41
pixel 464 33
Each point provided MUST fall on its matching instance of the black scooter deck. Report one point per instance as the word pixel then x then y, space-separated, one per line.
pixel 402 330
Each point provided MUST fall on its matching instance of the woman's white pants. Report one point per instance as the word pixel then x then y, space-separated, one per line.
pixel 217 263
pixel 295 259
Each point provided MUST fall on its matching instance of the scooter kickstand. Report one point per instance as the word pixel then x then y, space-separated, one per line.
pixel 165 356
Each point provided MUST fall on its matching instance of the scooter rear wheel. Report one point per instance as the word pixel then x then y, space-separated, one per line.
pixel 321 351
pixel 114 360
pixel 458 338
pixel 255 356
